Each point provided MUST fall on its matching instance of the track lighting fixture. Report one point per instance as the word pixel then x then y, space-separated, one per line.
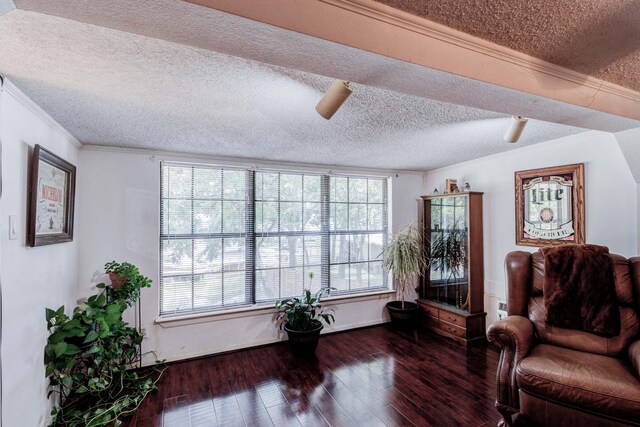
pixel 334 98
pixel 515 128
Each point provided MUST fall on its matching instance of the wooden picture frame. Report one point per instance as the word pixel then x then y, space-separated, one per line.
pixel 451 186
pixel 550 206
pixel 51 199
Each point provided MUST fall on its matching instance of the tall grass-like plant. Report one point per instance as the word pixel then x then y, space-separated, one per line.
pixel 449 251
pixel 405 256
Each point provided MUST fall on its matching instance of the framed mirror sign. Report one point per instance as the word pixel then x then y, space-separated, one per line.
pixel 550 206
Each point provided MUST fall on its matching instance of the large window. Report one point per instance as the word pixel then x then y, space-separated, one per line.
pixel 235 237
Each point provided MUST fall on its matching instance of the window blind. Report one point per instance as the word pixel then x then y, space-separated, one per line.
pixel 233 237
pixel 288 234
pixel 206 238
pixel 357 234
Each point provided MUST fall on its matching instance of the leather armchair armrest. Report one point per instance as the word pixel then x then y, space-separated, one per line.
pixel 634 357
pixel 514 335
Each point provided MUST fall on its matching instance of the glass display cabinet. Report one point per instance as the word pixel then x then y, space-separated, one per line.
pixel 452 291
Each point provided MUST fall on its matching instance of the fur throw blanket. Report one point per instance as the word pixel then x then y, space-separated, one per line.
pixel 579 289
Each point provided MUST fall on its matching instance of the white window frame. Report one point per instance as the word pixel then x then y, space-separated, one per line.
pixel 251 236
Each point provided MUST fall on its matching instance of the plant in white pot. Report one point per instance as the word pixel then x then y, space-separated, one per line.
pixel 405 256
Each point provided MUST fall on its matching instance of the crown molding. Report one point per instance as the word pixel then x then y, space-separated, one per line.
pixel 380 29
pixel 249 163
pixel 423 26
pixel 8 87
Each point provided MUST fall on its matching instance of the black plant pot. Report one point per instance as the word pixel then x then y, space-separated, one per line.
pixel 304 343
pixel 403 317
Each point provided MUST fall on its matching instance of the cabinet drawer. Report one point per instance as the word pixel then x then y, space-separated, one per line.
pixel 452 329
pixel 455 319
pixel 430 311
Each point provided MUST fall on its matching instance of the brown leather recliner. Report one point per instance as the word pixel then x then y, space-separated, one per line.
pixel 550 376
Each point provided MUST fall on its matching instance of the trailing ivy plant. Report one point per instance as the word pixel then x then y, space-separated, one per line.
pixel 89 356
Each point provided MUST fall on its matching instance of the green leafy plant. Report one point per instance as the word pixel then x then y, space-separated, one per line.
pixel 89 356
pixel 405 256
pixel 126 282
pixel 304 313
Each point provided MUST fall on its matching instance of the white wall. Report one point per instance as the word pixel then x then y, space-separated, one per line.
pixel 610 192
pixel 118 194
pixel 32 278
pixel 629 142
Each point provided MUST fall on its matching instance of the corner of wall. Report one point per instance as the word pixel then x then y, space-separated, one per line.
pixel 39 277
pixel 629 144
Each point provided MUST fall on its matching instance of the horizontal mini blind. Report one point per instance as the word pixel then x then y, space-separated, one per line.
pixel 206 219
pixel 288 210
pixel 233 237
pixel 357 233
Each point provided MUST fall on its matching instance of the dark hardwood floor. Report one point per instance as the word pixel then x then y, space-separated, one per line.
pixel 375 376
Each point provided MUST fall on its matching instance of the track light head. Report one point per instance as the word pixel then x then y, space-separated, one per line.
pixel 515 129
pixel 334 98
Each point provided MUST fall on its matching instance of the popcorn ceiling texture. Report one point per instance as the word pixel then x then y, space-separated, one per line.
pixel 114 88
pixel 202 27
pixel 595 37
pixel 6 6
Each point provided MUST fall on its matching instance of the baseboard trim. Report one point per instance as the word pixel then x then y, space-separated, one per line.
pixel 263 343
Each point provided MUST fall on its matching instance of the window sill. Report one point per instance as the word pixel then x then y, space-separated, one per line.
pixel 191 319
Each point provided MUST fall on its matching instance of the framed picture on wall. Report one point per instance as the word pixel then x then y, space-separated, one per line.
pixel 51 199
pixel 550 206
pixel 452 185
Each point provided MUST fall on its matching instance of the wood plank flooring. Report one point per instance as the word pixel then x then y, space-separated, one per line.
pixel 376 376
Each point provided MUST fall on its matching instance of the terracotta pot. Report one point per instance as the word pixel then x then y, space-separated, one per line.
pixel 116 280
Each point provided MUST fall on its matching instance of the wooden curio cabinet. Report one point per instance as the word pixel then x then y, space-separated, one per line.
pixel 452 291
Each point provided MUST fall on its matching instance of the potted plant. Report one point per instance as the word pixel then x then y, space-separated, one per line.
pixel 301 317
pixel 449 255
pixel 405 256
pixel 126 281
pixel 89 358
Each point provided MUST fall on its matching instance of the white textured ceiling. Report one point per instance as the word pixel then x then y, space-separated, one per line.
pixel 202 27
pixel 6 6
pixel 110 87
